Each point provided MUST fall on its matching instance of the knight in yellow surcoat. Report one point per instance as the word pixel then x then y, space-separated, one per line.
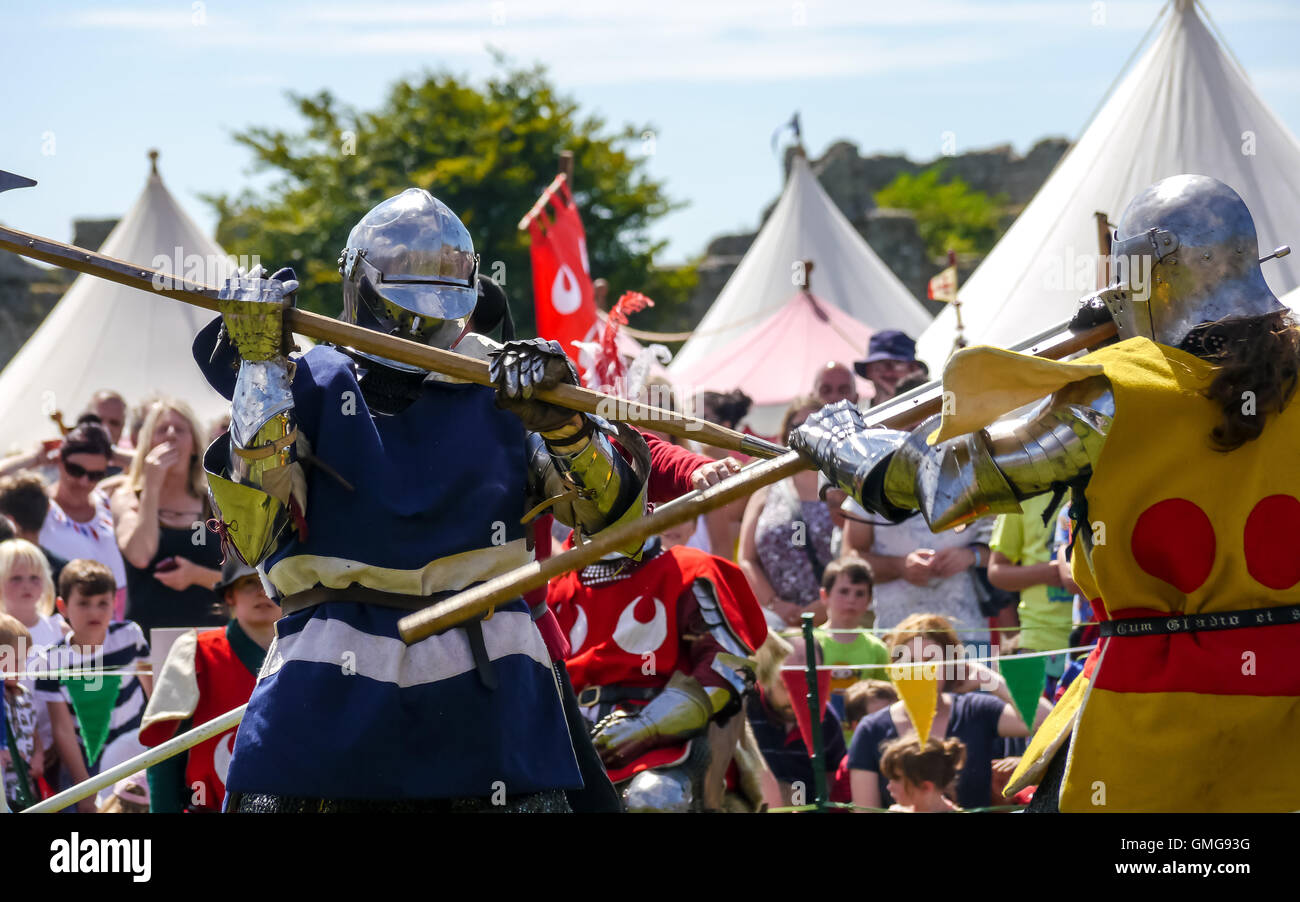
pixel 1182 455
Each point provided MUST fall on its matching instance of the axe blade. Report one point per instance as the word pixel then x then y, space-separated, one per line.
pixel 11 180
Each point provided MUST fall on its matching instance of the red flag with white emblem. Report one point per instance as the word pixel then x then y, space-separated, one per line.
pixel 564 305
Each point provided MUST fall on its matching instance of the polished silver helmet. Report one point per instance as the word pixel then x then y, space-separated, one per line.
pixel 1185 253
pixel 409 269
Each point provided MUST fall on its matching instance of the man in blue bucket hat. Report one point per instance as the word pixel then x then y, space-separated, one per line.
pixel 891 358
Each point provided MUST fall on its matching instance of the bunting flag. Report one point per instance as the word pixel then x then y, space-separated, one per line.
pixel 1026 679
pixel 796 684
pixel 918 688
pixel 564 304
pixel 93 700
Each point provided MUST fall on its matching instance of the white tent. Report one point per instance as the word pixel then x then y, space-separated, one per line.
pixel 1185 107
pixel 806 225
pixel 101 335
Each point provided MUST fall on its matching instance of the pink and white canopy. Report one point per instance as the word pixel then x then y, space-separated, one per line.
pixel 775 360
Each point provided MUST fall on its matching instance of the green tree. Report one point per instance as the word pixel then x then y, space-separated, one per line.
pixel 949 215
pixel 486 151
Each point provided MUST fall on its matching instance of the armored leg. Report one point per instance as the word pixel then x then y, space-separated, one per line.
pixel 677 789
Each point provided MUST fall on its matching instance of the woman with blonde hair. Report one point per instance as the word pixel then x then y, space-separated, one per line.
pixel 161 512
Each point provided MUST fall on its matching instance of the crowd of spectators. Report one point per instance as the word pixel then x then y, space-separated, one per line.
pixel 105 540
pixel 882 593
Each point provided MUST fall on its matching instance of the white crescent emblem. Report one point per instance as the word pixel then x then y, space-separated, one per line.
pixel 222 754
pixel 582 249
pixel 566 295
pixel 578 632
pixel 638 638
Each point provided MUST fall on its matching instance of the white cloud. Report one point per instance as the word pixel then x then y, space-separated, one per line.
pixel 127 19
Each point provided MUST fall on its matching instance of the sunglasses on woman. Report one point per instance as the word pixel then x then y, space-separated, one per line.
pixel 76 471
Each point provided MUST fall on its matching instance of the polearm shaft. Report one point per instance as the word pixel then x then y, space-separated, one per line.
pixel 323 328
pixel 168 749
pixel 902 412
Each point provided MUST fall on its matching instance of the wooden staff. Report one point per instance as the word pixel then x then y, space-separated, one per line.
pixel 903 412
pixel 145 759
pixel 323 328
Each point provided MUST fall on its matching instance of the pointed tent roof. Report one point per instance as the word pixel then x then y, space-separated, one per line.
pixel 101 335
pixel 1185 107
pixel 773 362
pixel 806 225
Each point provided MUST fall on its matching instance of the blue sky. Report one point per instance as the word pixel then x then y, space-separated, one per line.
pixel 89 87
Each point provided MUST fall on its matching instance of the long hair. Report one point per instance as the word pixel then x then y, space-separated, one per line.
pixel 19 551
pixel 198 483
pixel 1257 367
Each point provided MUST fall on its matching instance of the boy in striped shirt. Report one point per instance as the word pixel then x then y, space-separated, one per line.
pixel 90 679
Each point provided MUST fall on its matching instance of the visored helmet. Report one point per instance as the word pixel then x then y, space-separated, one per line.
pixel 409 269
pixel 1185 253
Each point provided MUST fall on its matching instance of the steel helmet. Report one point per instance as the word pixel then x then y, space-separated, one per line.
pixel 1185 253
pixel 409 269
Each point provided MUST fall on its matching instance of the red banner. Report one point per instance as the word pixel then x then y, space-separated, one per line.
pixel 564 307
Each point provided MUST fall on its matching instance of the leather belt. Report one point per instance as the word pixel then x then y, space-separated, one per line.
pixel 298 601
pixel 1169 624
pixel 595 695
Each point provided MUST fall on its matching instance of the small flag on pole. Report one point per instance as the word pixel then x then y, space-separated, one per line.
pixel 943 287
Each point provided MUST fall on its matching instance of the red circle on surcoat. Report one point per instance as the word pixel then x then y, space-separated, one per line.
pixel 1173 540
pixel 1272 541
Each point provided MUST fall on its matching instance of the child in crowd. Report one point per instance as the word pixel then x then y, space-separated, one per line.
pixel 130 796
pixel 91 679
pixel 866 696
pixel 27 594
pixel 846 593
pixel 918 778
pixel 207 674
pixel 21 752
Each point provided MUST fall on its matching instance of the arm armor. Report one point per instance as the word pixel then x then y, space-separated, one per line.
pixel 682 710
pixel 589 483
pixel 254 477
pixel 990 471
